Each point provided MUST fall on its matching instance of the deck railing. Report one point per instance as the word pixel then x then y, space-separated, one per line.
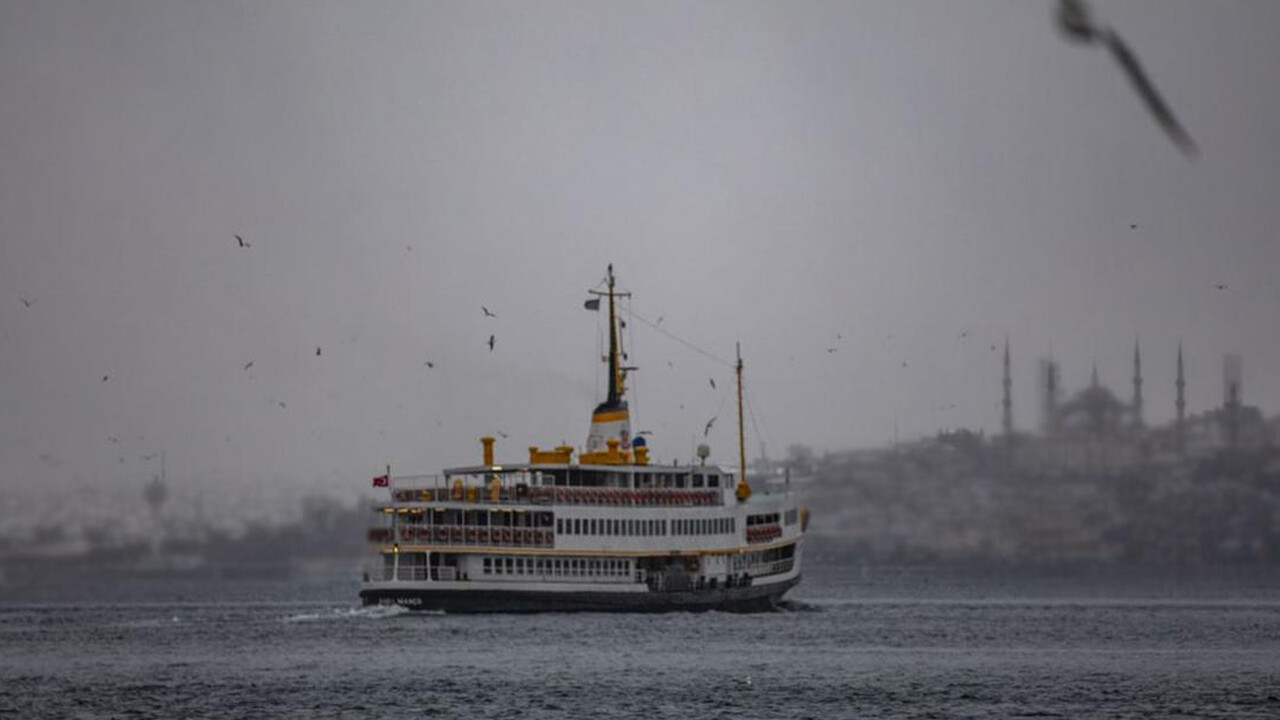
pixel 406 492
pixel 471 536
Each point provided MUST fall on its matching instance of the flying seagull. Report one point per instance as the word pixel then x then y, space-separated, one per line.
pixel 25 302
pixel 1221 286
pixel 248 365
pixel 831 350
pixel 242 243
pixel 317 351
pixel 713 383
pixel 502 435
pixel 490 343
pixel 104 378
pixel 429 364
pixel 1075 23
pixel 487 312
pixel 707 429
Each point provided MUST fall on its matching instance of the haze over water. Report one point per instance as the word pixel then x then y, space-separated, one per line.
pixel 870 178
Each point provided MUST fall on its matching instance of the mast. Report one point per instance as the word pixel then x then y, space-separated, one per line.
pixel 743 491
pixel 615 368
pixel 611 418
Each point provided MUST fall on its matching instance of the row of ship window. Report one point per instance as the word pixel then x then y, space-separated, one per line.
pixel 557 567
pixel 645 527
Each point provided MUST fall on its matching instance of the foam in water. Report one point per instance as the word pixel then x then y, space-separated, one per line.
pixel 371 612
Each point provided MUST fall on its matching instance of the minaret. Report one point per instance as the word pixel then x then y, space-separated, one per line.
pixel 1093 379
pixel 1181 404
pixel 1232 377
pixel 1008 394
pixel 1137 386
pixel 1049 370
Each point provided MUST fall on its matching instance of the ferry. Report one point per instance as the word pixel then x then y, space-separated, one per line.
pixel 612 531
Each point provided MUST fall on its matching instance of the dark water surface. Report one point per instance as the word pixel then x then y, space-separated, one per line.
pixel 865 642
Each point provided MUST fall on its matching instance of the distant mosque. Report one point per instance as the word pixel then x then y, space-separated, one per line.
pixel 1095 432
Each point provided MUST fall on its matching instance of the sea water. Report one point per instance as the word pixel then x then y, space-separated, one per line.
pixel 858 641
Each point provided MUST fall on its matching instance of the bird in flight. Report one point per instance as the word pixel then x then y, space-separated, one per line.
pixel 240 241
pixel 429 364
pixel 490 343
pixel 113 440
pixel 1221 286
pixel 710 422
pixel 1075 23
pixel 488 312
pixel 104 378
pixel 248 365
pixel 713 383
pixel 502 435
pixel 25 302
pixel 317 351
pixel 282 405
pixel 831 350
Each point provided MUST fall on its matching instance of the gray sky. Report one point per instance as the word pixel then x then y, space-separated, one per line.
pixel 895 173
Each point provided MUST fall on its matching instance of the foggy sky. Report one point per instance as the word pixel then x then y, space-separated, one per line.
pixel 780 174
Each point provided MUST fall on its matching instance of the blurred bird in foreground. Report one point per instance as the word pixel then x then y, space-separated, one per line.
pixel 1075 23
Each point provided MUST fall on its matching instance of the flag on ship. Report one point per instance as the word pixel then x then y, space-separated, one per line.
pixel 381 481
pixel 592 304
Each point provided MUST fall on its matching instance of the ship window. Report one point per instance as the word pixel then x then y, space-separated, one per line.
pixel 697 481
pixel 577 526
pixel 664 527
pixel 488 566
pixel 713 481
pixel 559 526
pixel 510 566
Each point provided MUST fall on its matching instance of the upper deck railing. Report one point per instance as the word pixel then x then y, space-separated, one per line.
pixel 434 489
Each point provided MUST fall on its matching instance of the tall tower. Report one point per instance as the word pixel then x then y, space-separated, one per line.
pixel 1137 386
pixel 1049 375
pixel 1181 404
pixel 1232 379
pixel 1008 394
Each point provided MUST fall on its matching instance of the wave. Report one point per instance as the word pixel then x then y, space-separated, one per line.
pixel 370 612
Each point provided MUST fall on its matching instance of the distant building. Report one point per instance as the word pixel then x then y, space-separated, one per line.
pixel 1094 432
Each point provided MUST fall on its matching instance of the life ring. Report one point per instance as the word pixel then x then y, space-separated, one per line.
pixel 442 534
pixel 506 535
pixel 482 535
